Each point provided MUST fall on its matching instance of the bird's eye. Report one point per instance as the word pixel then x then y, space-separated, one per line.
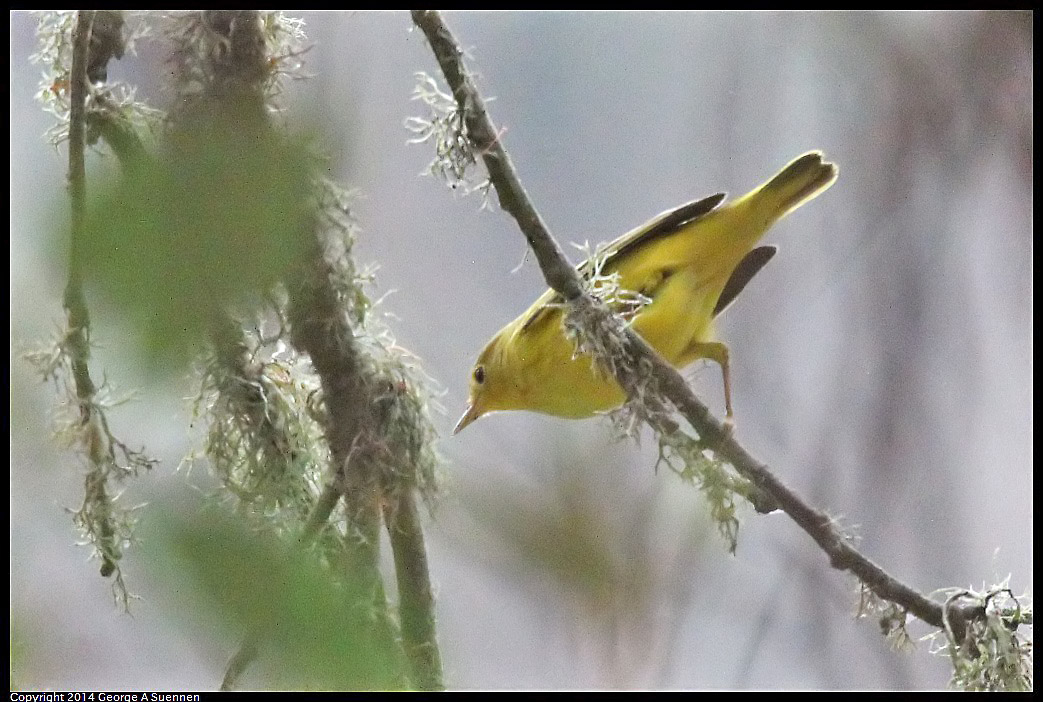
pixel 479 374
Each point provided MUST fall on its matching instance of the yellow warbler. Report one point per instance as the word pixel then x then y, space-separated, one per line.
pixel 690 262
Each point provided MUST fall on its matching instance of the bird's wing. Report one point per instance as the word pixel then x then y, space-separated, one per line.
pixel 659 226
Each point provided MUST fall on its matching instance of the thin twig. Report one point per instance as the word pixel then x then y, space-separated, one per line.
pixel 320 513
pixel 242 659
pixel 416 601
pixel 74 302
pixel 77 339
pixel 563 278
pixel 248 649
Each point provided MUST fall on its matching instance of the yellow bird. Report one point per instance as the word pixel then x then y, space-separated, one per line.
pixel 691 262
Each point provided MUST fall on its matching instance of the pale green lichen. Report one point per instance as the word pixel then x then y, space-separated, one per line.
pixel 991 652
pixel 114 100
pixel 81 424
pixel 445 127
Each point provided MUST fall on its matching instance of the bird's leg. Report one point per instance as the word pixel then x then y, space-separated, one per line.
pixel 716 351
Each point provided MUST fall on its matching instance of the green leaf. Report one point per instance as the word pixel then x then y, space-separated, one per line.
pixel 214 221
pixel 314 630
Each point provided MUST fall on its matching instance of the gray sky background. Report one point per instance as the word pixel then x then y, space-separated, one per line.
pixel 882 362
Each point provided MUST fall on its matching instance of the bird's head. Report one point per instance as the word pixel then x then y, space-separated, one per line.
pixel 493 385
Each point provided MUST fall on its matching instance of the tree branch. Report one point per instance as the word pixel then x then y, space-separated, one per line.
pixel 320 329
pixel 234 95
pixel 513 199
pixel 669 383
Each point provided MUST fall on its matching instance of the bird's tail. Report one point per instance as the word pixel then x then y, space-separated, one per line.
pixel 802 179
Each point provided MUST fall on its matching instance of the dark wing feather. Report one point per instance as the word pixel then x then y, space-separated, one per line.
pixel 743 273
pixel 662 225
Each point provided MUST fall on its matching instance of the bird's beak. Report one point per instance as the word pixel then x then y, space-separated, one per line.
pixel 470 415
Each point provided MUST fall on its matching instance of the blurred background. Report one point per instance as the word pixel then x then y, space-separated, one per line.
pixel 882 364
